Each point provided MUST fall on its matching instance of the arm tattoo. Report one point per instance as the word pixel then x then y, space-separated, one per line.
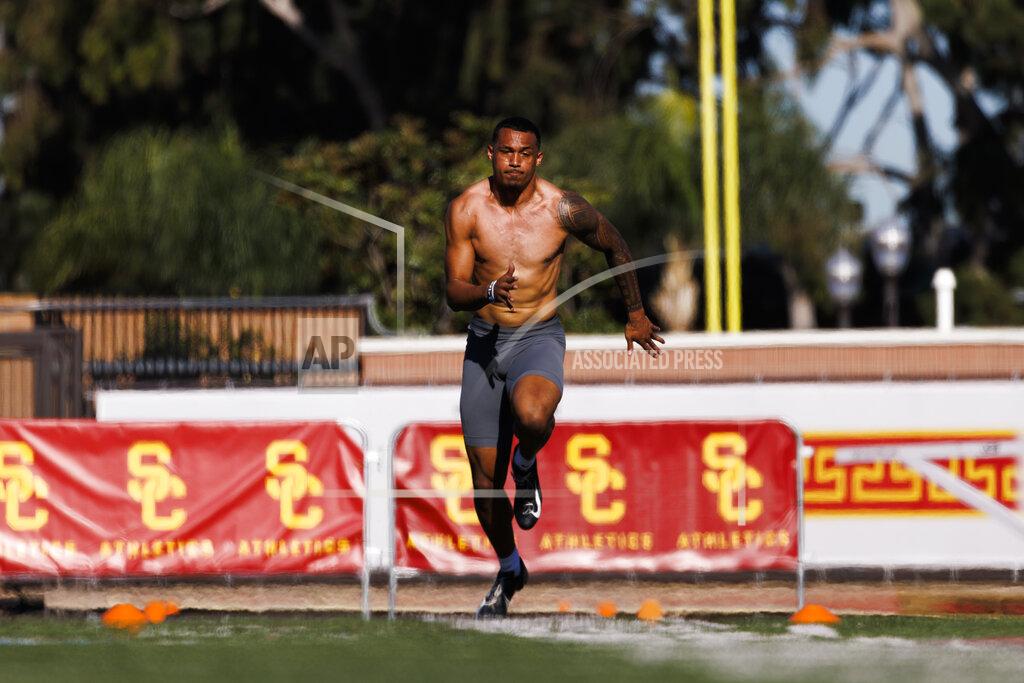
pixel 587 224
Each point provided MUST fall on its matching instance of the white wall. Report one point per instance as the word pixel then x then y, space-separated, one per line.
pixel 840 541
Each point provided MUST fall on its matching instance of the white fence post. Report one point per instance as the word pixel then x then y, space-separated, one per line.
pixel 944 283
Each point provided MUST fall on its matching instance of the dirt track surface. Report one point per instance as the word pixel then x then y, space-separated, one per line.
pixel 546 596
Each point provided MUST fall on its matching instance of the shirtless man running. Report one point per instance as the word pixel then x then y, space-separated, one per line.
pixel 506 237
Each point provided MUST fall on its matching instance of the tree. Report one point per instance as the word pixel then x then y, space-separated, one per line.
pixel 286 71
pixel 643 168
pixel 401 173
pixel 640 167
pixel 174 214
pixel 78 72
pixel 966 207
pixel 407 175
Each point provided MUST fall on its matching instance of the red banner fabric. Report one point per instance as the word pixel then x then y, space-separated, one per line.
pixel 649 497
pixel 83 498
pixel 889 487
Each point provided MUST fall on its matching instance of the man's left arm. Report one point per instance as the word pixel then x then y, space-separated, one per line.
pixel 587 224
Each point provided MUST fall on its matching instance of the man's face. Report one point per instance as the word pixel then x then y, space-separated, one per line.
pixel 514 157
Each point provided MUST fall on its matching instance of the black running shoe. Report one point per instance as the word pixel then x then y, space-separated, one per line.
pixel 507 584
pixel 528 496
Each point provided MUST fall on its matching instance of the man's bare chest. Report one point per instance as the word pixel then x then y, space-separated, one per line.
pixel 528 238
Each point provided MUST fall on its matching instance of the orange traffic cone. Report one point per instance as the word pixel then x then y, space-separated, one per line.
pixel 814 614
pixel 564 606
pixel 156 611
pixel 607 609
pixel 125 616
pixel 650 610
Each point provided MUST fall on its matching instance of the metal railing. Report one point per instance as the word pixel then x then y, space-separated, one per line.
pixel 40 374
pixel 186 340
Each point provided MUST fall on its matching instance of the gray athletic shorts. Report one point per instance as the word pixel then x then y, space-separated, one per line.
pixel 496 358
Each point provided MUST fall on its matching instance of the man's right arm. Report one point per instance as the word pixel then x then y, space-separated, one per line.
pixel 460 292
pixel 459 258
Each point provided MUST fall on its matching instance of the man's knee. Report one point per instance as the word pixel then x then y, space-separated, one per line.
pixel 534 401
pixel 533 418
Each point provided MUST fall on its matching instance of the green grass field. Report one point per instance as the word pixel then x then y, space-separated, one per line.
pixel 197 647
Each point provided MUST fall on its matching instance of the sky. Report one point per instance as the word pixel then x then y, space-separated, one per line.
pixel 822 97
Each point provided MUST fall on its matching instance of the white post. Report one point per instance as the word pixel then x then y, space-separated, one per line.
pixel 944 283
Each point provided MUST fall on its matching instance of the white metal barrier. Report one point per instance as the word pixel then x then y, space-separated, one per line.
pixel 946 541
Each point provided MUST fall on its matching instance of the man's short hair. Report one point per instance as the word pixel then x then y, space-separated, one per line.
pixel 519 123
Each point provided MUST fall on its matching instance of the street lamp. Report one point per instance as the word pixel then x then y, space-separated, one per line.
pixel 843 270
pixel 890 248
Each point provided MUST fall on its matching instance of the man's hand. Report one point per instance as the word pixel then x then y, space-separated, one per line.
pixel 642 331
pixel 504 285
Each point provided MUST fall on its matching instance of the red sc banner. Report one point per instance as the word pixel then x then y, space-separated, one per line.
pixel 92 499
pixel 648 497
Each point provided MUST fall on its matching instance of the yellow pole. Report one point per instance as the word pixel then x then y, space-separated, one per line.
pixel 730 168
pixel 709 160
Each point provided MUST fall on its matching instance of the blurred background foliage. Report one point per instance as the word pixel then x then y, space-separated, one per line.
pixel 132 130
pixel 161 213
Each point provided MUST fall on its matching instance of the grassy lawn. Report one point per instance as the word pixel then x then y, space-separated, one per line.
pixel 197 647
pixel 946 627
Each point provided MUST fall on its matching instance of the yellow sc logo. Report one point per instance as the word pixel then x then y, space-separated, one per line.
pixel 593 476
pixel 289 482
pixel 728 475
pixel 452 473
pixel 18 485
pixel 154 483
